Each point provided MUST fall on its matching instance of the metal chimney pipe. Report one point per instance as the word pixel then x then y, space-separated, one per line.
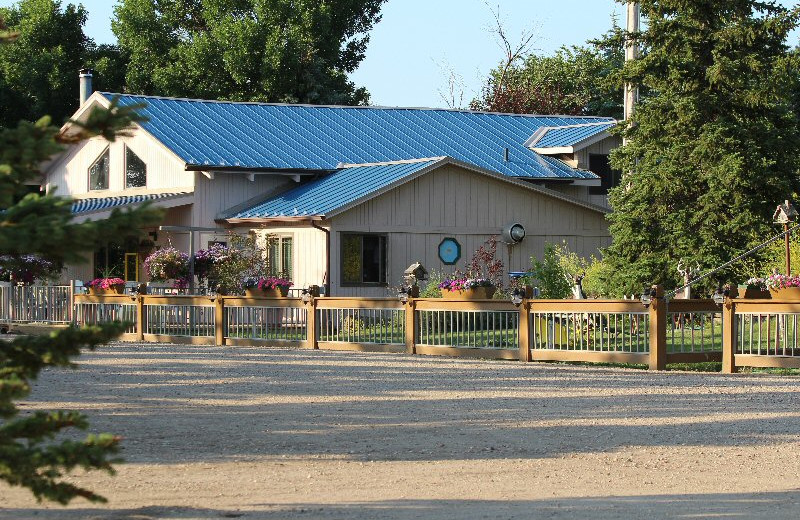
pixel 85 80
pixel 631 53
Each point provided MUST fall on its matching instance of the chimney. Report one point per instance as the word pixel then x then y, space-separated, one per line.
pixel 85 79
pixel 631 53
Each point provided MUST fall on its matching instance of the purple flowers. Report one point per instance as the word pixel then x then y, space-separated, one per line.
pixel 167 264
pixel 462 284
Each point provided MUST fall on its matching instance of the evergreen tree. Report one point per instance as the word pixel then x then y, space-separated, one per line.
pixel 297 51
pixel 30 454
pixel 714 147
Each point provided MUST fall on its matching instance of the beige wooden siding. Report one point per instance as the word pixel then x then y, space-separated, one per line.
pixel 452 202
pixel 164 171
pixel 227 190
pixel 602 147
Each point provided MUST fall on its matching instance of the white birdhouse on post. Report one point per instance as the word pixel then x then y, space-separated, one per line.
pixel 785 214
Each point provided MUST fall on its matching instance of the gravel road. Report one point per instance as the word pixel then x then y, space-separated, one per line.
pixel 255 433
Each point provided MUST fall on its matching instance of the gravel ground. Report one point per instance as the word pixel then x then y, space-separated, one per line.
pixel 291 434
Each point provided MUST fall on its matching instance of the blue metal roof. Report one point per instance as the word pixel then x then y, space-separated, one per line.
pixel 288 137
pixel 566 136
pixel 337 190
pixel 103 203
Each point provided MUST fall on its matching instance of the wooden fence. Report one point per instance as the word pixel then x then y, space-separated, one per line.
pixel 740 333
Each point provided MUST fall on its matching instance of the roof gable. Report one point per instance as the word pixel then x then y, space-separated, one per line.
pixel 295 137
pixel 355 184
pixel 567 139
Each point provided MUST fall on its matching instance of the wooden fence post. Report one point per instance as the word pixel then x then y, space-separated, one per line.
pixel 219 321
pixel 139 317
pixel 71 301
pixel 658 330
pixel 524 331
pixel 411 326
pixel 729 336
pixel 312 334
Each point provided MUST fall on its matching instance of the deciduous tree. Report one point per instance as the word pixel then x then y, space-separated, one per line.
pixel 246 50
pixel 39 73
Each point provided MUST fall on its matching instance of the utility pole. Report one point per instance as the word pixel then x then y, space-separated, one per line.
pixel 631 53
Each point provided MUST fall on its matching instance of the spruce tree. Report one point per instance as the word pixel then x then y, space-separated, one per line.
pixel 31 452
pixel 714 147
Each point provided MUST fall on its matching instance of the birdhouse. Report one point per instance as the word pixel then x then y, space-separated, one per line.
pixel 415 272
pixel 784 213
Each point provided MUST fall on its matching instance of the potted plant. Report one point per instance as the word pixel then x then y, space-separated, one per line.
pixel 462 288
pixel 754 288
pixel 100 286
pixel 270 287
pixel 784 287
pixel 168 264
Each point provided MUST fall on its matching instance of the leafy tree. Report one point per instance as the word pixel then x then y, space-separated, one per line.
pixel 30 455
pixel 39 74
pixel 714 147
pixel 572 81
pixel 246 50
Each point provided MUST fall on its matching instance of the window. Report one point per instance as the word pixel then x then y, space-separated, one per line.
pixel 135 170
pixel 280 257
pixel 363 259
pixel 608 178
pixel 98 173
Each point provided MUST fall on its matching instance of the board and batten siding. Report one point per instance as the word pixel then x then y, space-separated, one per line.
pixel 470 207
pixel 70 173
pixel 227 190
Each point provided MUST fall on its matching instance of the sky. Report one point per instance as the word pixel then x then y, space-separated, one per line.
pixel 418 44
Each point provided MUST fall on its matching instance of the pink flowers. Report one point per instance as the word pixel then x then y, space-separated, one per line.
pixel 105 283
pixel 782 281
pixel 274 282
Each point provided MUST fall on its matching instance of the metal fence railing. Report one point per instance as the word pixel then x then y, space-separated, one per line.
pixel 36 303
pixel 265 322
pixel 90 313
pixel 179 320
pixel 468 329
pixel 370 322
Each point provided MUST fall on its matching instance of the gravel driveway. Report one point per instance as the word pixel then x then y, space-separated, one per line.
pixel 291 434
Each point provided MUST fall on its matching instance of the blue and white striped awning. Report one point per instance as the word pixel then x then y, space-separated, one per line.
pixel 94 205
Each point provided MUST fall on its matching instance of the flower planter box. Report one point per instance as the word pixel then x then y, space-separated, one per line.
pixel 786 293
pixel 752 293
pixel 255 292
pixel 476 293
pixel 114 289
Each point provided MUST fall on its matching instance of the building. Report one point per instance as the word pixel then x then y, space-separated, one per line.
pixel 354 194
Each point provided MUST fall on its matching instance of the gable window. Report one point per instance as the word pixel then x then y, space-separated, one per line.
pixel 598 163
pixel 280 257
pixel 363 259
pixel 98 173
pixel 135 170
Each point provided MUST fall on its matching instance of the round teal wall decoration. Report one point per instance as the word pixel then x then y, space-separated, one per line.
pixel 449 251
